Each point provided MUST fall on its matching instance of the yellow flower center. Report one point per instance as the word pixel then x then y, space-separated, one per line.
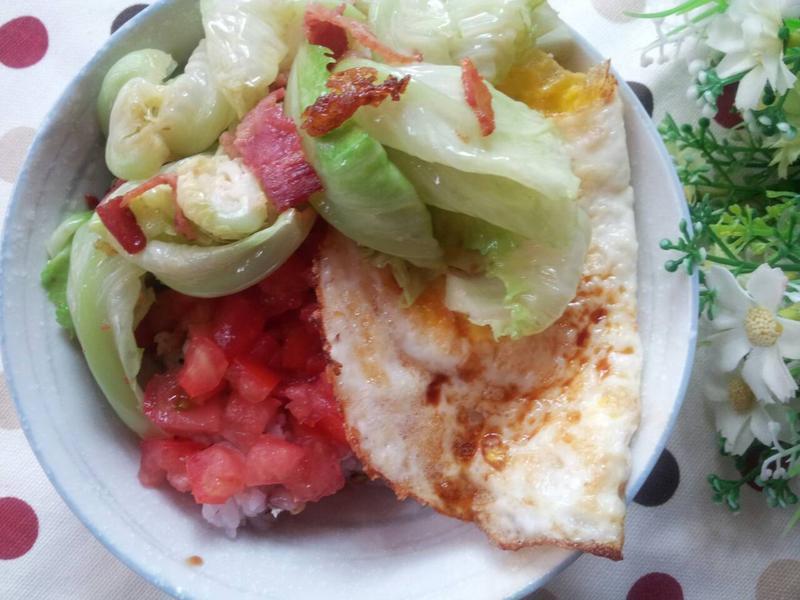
pixel 761 327
pixel 740 395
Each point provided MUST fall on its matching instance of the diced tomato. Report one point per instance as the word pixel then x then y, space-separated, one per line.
pixel 265 348
pixel 314 405
pixel 319 474
pixel 216 474
pixel 302 343
pixel 243 422
pixel 288 288
pixel 172 311
pixel 273 460
pixel 238 323
pixel 166 458
pixel 204 367
pixel 250 380
pixel 168 405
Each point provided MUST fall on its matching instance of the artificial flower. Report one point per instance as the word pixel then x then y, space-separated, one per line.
pixel 748 35
pixel 749 328
pixel 787 151
pixel 738 415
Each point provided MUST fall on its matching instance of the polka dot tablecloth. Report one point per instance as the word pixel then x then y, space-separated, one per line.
pixel 679 545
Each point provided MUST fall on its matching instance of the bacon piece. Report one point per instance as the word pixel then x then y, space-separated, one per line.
pixel 269 144
pixel 121 222
pixel 316 13
pixel 325 33
pixel 350 90
pixel 478 96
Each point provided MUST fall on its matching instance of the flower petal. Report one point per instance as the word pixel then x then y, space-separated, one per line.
pixel 753 374
pixel 732 301
pixel 725 35
pixel 731 426
pixel 729 347
pixel 789 342
pixel 742 441
pixel 715 387
pixel 764 371
pixel 738 60
pixel 751 88
pixel 759 425
pixel 767 286
pixel 777 375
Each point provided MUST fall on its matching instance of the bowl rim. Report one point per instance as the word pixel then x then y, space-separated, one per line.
pixel 128 30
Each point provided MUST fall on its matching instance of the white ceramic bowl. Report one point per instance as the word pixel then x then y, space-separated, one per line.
pixel 362 543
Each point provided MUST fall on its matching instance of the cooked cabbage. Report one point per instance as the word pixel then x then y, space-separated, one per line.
pixel 152 123
pixel 149 64
pixel 523 285
pixel 366 197
pixel 106 297
pixel 221 196
pixel 219 270
pixel 246 45
pixel 432 122
pixel 494 34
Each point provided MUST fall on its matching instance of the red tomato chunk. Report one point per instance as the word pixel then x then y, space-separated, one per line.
pixel 243 422
pixel 166 459
pixel 242 383
pixel 204 368
pixel 167 405
pixel 250 380
pixel 273 460
pixel 216 474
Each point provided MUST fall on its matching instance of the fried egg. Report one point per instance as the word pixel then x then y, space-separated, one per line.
pixel 529 438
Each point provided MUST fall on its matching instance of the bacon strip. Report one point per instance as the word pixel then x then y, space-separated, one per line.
pixel 121 222
pixel 350 90
pixel 316 13
pixel 269 144
pixel 478 96
pixel 325 33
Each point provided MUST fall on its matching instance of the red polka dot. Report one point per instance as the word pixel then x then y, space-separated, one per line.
pixel 23 42
pixel 656 586
pixel 19 528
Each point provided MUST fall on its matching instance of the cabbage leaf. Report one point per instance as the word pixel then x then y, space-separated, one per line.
pixel 433 123
pixel 497 200
pixel 56 272
pixel 152 123
pixel 246 45
pixel 149 64
pixel 214 271
pixel 494 34
pixel 366 197
pixel 523 286
pixel 106 294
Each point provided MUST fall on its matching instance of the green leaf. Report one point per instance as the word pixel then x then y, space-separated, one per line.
pixel 105 293
pixel 213 271
pixel 433 123
pixel 54 280
pixel 515 285
pixel 366 197
pixel 55 274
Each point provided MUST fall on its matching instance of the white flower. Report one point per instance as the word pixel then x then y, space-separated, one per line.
pixel 748 36
pixel 739 417
pixel 750 328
